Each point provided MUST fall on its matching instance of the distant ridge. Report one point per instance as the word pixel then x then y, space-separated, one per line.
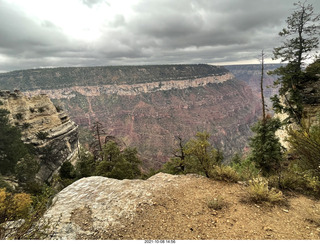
pixel 53 78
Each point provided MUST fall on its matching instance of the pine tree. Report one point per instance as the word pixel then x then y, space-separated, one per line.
pixel 12 148
pixel 302 37
pixel 266 150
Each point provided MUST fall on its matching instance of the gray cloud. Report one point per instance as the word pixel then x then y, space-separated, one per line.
pixel 91 3
pixel 184 31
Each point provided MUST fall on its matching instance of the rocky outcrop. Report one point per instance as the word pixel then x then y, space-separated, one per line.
pixel 171 207
pixel 90 206
pixel 45 126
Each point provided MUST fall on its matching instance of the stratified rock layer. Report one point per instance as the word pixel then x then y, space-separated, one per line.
pixel 34 115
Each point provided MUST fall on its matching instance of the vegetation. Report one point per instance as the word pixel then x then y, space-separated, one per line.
pixel 216 203
pixel 259 191
pixel 196 156
pixel 85 76
pixel 14 206
pixel 305 142
pixel 302 37
pixel 117 164
pixel 42 135
pixel 267 168
pixel 224 173
pixel 12 149
pixel 266 150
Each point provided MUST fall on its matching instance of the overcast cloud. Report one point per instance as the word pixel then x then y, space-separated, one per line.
pixel 51 33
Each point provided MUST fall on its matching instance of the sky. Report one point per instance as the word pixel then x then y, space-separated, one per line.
pixel 63 33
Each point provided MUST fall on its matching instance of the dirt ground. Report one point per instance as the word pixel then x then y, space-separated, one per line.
pixel 181 212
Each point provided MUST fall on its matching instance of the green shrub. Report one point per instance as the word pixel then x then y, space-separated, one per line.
pixel 174 166
pixel 42 135
pixel 246 169
pixel 41 109
pixel 305 143
pixel 67 171
pixel 224 173
pixel 258 191
pixel 19 116
pixel 27 168
pixel 201 156
pixel 25 125
pixel 85 165
pixel 216 203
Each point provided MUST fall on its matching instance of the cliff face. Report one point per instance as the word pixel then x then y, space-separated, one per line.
pixel 53 134
pixel 151 120
pixel 147 106
pixel 251 74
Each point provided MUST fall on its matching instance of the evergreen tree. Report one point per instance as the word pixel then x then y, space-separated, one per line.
pixel 302 37
pixel 201 156
pixel 117 164
pixel 266 150
pixel 85 165
pixel 12 149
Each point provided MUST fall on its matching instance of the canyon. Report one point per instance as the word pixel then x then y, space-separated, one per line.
pixel 147 107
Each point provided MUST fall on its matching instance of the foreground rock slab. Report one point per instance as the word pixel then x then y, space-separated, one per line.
pixel 88 207
pixel 173 207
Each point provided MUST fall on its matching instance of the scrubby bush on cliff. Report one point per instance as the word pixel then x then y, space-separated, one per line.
pixel 246 169
pixel 67 170
pixel 27 168
pixel 196 156
pixel 14 206
pixel 12 149
pixel 117 164
pixel 85 165
pixel 201 156
pixel 175 166
pixel 303 171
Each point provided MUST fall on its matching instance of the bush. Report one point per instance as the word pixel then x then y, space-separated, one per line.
pixel 246 169
pixel 294 178
pixel 305 144
pixel 67 171
pixel 19 116
pixel 201 156
pixel 85 165
pixel 27 168
pixel 175 166
pixel 224 173
pixel 19 206
pixel 14 206
pixel 42 135
pixel 216 203
pixel 259 192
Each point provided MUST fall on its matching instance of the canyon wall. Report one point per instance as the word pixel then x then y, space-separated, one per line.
pixel 148 106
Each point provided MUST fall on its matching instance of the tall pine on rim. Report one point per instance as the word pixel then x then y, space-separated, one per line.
pixel 301 38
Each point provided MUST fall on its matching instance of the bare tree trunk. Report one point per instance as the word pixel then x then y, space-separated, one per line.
pixel 261 86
